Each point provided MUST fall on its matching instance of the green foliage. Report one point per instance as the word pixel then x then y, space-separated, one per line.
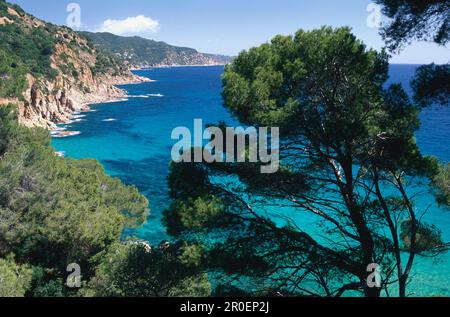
pixel 106 64
pixel 3 7
pixel 192 214
pixel 14 278
pixel 132 271
pixel 12 77
pixel 31 48
pixel 266 85
pixel 441 185
pixel 143 50
pixel 431 85
pixel 348 149
pixel 427 238
pixel 57 211
pixel 140 51
pixel 423 21
pixel 42 284
pixel 415 20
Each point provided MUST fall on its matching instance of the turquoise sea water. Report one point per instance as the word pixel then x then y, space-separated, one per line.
pixel 132 139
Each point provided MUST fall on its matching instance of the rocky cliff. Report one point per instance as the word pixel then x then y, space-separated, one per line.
pixel 63 71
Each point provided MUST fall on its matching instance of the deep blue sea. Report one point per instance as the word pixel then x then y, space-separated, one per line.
pixel 132 139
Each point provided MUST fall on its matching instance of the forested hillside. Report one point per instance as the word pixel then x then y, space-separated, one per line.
pixel 57 212
pixel 50 72
pixel 140 52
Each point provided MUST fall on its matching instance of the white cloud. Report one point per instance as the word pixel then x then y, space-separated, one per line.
pixel 132 25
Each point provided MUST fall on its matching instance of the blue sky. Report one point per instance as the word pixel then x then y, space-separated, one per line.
pixel 226 26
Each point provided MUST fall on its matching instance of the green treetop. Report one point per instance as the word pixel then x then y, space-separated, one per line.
pixel 347 152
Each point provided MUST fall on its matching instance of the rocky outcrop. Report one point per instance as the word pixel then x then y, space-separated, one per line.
pixel 51 102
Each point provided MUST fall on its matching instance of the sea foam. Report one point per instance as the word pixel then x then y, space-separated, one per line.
pixel 66 134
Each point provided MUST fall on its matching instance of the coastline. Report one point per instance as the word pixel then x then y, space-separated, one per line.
pixel 111 94
pixel 175 66
pixel 116 95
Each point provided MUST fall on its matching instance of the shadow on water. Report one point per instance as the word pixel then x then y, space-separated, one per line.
pixel 149 175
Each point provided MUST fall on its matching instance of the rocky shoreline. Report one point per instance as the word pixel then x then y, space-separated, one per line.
pixel 51 103
pixel 115 94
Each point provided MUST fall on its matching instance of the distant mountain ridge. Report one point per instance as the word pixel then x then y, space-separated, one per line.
pixel 140 52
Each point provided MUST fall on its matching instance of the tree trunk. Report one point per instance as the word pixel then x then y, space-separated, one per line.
pixel 372 292
pixel 402 286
